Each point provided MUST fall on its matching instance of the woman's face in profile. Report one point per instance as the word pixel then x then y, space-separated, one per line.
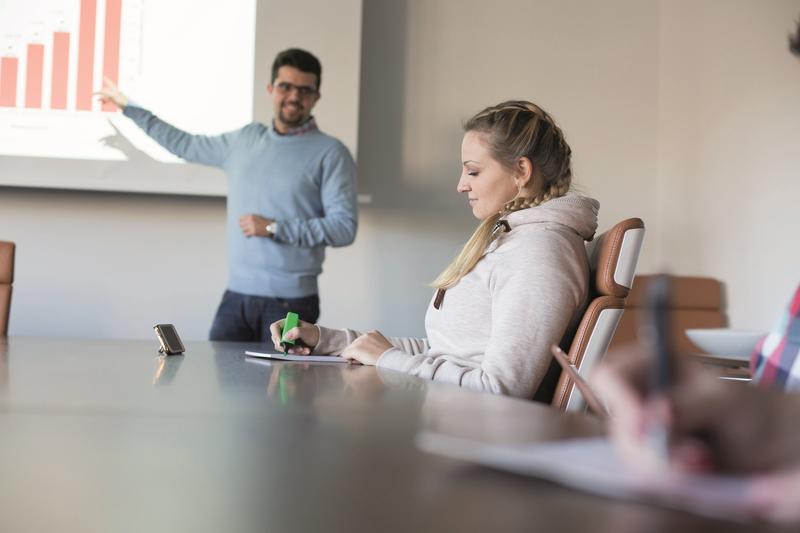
pixel 487 183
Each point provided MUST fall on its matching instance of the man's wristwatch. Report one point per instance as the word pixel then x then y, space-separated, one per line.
pixel 271 228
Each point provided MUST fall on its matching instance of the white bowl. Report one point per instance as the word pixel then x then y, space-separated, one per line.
pixel 724 341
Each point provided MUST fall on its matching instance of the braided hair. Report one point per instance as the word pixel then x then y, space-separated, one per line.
pixel 513 130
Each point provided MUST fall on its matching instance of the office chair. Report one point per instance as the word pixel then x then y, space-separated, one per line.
pixel 612 259
pixel 695 302
pixel 6 279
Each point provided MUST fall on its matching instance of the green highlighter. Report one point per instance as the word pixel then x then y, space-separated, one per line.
pixel 292 321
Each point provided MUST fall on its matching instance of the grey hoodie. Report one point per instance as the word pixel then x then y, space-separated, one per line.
pixel 494 329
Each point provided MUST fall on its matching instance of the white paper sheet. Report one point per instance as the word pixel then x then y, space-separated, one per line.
pixel 300 358
pixel 591 465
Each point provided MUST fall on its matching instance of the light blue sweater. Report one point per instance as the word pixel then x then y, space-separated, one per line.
pixel 307 183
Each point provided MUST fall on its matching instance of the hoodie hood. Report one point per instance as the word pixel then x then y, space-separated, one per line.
pixel 577 212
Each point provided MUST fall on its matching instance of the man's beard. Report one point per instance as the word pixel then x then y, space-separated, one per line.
pixel 298 119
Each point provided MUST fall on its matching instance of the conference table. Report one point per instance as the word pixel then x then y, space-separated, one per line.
pixel 109 436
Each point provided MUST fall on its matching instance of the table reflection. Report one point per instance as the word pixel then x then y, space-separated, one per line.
pixel 166 369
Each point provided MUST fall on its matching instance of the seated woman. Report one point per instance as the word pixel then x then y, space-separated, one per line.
pixel 521 281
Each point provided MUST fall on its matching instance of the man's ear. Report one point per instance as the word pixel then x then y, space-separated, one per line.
pixel 270 88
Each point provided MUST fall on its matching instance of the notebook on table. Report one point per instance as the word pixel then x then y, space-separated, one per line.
pixel 300 358
pixel 592 465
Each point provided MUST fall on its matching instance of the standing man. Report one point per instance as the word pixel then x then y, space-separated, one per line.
pixel 291 193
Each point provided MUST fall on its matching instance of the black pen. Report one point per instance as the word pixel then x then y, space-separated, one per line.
pixel 663 367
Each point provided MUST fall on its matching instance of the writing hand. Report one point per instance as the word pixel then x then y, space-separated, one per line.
pixel 712 424
pixel 307 334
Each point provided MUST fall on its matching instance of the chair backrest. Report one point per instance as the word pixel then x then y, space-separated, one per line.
pixel 6 280
pixel 613 256
pixel 694 302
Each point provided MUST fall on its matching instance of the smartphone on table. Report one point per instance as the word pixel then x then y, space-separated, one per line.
pixel 168 339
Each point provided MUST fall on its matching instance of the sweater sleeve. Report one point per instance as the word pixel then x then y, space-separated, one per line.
pixel 337 226
pixel 203 149
pixel 533 303
pixel 334 341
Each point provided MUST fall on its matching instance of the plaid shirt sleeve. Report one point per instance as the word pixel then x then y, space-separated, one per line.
pixel 775 362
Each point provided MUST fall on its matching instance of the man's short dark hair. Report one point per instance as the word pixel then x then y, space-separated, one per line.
pixel 299 59
pixel 794 41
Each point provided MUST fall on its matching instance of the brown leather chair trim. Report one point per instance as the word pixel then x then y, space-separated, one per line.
pixel 7 262
pixel 680 320
pixel 580 341
pixel 610 245
pixel 686 292
pixel 5 306
pixel 6 279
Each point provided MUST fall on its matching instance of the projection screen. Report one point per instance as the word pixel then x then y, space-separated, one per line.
pixel 194 63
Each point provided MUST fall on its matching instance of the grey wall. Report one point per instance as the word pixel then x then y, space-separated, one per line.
pixel 334 36
pixel 729 150
pixel 112 265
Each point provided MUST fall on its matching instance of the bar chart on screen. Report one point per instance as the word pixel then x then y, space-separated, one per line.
pixel 189 61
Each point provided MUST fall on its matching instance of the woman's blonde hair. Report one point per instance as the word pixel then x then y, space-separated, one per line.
pixel 513 130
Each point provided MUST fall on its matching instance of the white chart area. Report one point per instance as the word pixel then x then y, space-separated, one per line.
pixel 188 61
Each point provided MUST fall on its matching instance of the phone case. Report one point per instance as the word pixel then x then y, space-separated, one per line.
pixel 168 339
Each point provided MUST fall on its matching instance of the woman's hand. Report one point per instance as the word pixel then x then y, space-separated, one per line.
pixel 712 424
pixel 305 335
pixel 367 348
pixel 621 381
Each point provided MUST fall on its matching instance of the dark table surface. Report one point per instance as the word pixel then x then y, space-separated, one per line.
pixel 107 436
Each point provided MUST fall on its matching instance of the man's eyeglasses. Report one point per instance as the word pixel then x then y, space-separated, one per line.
pixel 302 90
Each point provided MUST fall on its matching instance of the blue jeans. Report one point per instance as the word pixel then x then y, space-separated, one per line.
pixel 241 317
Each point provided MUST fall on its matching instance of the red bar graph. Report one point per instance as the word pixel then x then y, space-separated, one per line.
pixel 111 45
pixel 59 76
pixel 58 87
pixel 8 81
pixel 86 54
pixel 34 72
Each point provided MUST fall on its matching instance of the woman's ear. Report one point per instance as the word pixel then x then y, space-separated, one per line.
pixel 524 172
